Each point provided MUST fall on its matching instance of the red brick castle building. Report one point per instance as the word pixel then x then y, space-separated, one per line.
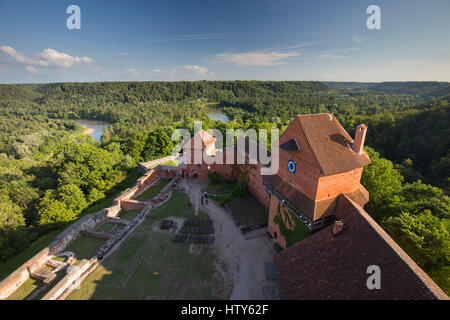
pixel 315 212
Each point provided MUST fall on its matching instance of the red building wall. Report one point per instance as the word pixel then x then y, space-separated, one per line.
pixel 332 186
pixel 308 177
pixel 307 173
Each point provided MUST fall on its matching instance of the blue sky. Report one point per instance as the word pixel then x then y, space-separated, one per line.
pixel 324 40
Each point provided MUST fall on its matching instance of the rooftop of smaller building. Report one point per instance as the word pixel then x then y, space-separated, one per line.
pixel 200 140
pixel 327 266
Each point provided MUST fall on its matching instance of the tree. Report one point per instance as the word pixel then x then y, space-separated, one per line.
pixel 381 180
pixel 72 196
pixel 159 143
pixel 408 172
pixel 54 211
pixel 134 145
pixel 87 167
pixel 424 237
pixel 439 173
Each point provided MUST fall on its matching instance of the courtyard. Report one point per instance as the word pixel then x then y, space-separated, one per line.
pixel 150 265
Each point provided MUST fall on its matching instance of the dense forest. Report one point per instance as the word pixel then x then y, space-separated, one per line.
pixel 51 173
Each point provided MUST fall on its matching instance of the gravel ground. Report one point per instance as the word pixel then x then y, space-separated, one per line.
pixel 242 260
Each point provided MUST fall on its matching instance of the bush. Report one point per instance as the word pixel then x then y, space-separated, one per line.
pixel 214 177
pixel 240 190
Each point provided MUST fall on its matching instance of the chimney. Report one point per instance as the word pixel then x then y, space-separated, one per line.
pixel 337 227
pixel 360 136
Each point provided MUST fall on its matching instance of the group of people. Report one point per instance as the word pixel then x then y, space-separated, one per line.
pixel 205 197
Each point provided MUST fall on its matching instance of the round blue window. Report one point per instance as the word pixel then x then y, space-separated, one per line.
pixel 291 166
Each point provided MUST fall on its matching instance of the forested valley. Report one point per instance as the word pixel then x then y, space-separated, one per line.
pixel 51 173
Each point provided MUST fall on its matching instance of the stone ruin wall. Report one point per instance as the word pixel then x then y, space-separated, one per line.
pixel 71 279
pixel 145 166
pixel 9 284
pixel 18 277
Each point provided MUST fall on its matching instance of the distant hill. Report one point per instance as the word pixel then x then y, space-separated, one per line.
pixel 425 89
pixel 182 90
pixel 217 90
pixel 351 85
pixel 19 92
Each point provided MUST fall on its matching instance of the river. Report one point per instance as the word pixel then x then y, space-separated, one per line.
pixel 218 115
pixel 96 127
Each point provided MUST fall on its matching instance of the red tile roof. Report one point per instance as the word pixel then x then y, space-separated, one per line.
pixel 297 198
pixel 324 266
pixel 331 144
pixel 202 138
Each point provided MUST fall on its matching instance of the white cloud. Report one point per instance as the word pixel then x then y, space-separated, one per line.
pixel 301 45
pixel 204 36
pixel 31 69
pixel 133 72
pixel 358 39
pixel 183 71
pixel 413 62
pixel 254 58
pixel 47 58
pixel 62 60
pixel 198 70
pixel 331 56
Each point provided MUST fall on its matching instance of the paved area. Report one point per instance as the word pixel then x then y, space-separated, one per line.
pixel 242 259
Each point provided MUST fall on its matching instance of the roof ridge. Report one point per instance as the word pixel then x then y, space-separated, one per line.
pixel 411 264
pixel 312 150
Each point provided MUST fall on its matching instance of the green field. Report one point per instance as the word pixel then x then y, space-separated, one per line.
pixel 25 289
pixel 128 215
pixel 168 163
pixel 153 190
pixel 106 227
pixel 84 246
pixel 28 290
pixel 149 265
pixel 221 188
pixel 247 210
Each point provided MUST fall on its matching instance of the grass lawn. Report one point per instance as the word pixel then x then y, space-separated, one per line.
pixel 223 190
pixel 25 289
pixel 153 190
pixel 30 285
pixel 106 227
pixel 85 246
pixel 16 261
pixel 128 215
pixel 247 210
pixel 149 265
pixel 168 163
pixel 59 275
pixel 223 187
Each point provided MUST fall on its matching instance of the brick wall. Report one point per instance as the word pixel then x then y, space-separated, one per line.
pixel 69 280
pixel 20 275
pixel 132 204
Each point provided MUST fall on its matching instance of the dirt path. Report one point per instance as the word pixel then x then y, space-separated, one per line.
pixel 193 189
pixel 244 259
